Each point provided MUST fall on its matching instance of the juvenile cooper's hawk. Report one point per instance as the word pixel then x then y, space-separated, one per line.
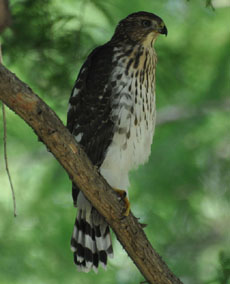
pixel 112 115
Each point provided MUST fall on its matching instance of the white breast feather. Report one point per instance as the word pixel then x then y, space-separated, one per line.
pixel 126 153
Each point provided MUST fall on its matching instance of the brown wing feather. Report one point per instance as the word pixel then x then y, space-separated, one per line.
pixel 88 117
pixel 90 108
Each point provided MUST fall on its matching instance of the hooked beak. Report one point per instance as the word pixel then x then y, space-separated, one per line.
pixel 163 31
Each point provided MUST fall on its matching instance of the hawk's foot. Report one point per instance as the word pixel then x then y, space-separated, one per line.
pixel 123 195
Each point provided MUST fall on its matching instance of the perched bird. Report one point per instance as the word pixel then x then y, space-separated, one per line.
pixel 112 116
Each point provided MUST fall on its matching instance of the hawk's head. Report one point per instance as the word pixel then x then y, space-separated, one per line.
pixel 140 27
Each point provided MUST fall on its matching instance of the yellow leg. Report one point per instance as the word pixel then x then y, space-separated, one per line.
pixel 122 194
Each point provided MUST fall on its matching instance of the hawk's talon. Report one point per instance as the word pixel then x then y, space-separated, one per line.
pixel 123 196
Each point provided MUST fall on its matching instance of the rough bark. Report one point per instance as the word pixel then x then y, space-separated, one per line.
pixel 51 131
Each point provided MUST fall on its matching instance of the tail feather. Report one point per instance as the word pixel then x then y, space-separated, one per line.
pixel 91 241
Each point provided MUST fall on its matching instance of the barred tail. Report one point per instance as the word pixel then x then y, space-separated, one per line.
pixel 91 240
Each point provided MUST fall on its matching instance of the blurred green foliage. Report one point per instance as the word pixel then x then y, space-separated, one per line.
pixel 182 193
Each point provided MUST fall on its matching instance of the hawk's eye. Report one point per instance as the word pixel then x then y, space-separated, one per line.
pixel 146 23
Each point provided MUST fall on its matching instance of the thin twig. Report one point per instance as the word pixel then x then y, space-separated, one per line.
pixel 6 159
pixel 5 149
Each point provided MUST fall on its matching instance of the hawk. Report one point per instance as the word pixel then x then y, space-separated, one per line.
pixel 112 116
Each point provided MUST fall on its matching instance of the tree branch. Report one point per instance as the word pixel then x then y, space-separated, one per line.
pixel 21 99
pixel 5 17
pixel 177 113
